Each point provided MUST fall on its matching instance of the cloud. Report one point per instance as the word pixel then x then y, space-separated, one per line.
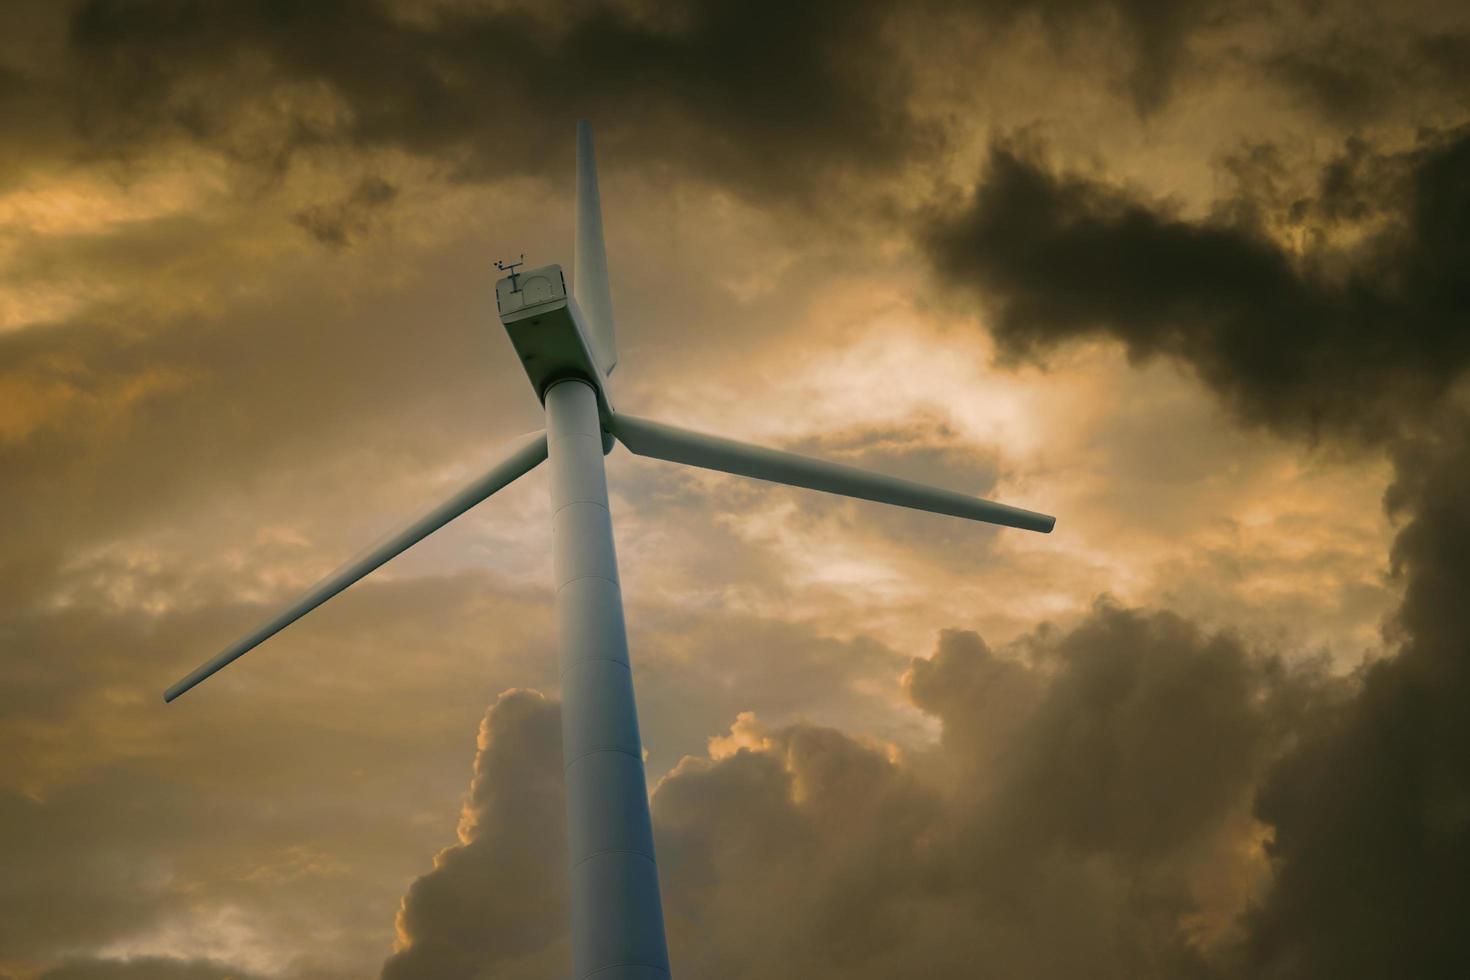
pixel 496 903
pixel 1359 336
pixel 143 413
pixel 1093 784
pixel 494 88
pixel 1155 34
pixel 489 90
pixel 245 826
pixel 1371 814
pixel 1358 340
pixel 339 223
pixel 1357 73
pixel 193 424
pixel 925 447
pixel 146 968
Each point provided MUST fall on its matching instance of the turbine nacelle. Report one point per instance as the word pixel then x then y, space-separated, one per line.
pixel 549 331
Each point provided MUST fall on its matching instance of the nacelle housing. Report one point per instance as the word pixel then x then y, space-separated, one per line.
pixel 548 331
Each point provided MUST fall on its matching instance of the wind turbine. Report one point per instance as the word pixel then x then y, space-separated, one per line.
pixel 567 345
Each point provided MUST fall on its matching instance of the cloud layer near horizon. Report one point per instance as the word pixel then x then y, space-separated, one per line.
pixel 1094 784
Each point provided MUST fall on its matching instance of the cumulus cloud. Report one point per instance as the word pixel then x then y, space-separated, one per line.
pixel 1093 784
pixel 496 903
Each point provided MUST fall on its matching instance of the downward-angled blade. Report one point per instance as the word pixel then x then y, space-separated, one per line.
pixel 711 452
pixel 522 456
pixel 589 276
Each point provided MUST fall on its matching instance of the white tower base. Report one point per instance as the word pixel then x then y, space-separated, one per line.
pixel 617 917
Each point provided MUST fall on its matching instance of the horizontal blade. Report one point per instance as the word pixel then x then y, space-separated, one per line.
pixel 522 456
pixel 713 453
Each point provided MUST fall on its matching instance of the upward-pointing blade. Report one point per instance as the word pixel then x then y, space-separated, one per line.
pixel 711 452
pixel 589 277
pixel 522 456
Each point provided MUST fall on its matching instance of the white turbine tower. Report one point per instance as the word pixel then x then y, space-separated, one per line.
pixel 566 344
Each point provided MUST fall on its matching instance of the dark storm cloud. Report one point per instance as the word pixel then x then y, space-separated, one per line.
pixel 1098 780
pixel 1370 813
pixel 802 851
pixel 1147 732
pixel 767 95
pixel 1318 343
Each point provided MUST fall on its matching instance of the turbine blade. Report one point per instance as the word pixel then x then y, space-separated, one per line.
pixel 666 442
pixel 519 458
pixel 589 277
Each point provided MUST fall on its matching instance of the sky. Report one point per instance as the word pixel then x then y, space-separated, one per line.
pixel 1192 276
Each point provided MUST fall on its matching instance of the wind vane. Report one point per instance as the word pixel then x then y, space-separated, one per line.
pixel 511 267
pixel 566 344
